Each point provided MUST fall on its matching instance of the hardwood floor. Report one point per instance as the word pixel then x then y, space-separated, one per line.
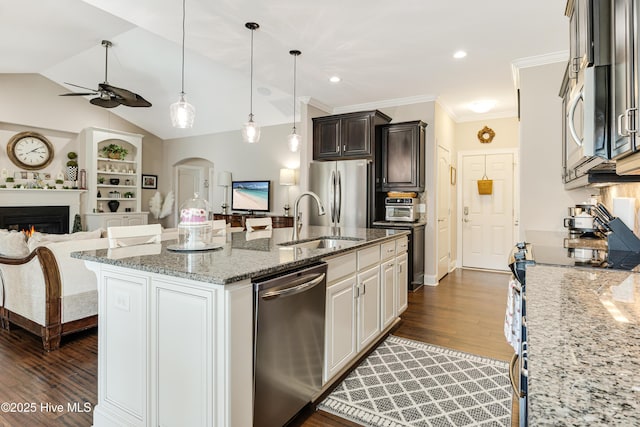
pixel 464 312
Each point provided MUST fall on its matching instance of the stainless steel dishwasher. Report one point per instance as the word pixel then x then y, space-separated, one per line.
pixel 288 343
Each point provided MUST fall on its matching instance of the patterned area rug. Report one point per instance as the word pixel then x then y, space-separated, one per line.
pixel 409 383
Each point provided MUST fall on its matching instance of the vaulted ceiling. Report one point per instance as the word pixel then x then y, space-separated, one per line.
pixel 385 52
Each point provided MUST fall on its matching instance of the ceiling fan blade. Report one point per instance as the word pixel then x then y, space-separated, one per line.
pixel 126 97
pixel 138 102
pixel 78 94
pixel 105 103
pixel 82 87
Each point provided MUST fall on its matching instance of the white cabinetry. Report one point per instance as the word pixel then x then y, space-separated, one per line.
pixel 363 300
pixel 368 294
pixel 93 221
pixel 388 284
pixel 172 351
pixel 402 275
pixel 110 179
pixel 340 318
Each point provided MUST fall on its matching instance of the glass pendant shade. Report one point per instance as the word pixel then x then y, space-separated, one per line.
pixel 183 114
pixel 251 131
pixel 293 141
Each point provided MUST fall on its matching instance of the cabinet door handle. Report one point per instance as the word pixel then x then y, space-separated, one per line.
pixel 364 288
pixel 344 147
pixel 628 113
pixel 390 264
pixel 399 268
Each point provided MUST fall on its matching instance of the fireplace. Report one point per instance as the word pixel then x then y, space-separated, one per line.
pixel 46 219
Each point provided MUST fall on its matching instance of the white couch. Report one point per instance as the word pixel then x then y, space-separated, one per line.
pixel 47 292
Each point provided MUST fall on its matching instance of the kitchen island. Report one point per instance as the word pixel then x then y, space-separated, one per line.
pixel 583 345
pixel 175 333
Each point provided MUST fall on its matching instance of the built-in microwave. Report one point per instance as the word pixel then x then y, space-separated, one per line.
pixel 403 209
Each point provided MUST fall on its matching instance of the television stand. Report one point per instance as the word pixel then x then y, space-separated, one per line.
pixel 239 219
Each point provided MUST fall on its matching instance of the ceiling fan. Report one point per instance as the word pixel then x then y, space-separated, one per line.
pixel 110 96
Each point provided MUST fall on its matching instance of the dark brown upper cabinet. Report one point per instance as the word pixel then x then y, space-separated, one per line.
pixel 346 136
pixel 401 159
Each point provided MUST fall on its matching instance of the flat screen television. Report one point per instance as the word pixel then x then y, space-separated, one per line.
pixel 252 196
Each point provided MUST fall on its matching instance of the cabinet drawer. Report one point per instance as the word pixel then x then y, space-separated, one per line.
pixel 368 256
pixel 340 266
pixel 388 249
pixel 402 245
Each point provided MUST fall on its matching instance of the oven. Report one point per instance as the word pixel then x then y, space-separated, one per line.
pixel 403 209
pixel 516 328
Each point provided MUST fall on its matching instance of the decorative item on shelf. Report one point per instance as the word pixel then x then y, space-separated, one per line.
pixel 251 130
pixel 113 205
pixel 128 195
pixel 114 181
pixel 82 179
pixel 158 208
pixel 101 180
pixel 72 166
pixel 114 194
pixel 127 181
pixel 182 113
pixel 486 135
pixel 115 151
pixel 100 208
pixel 99 194
pixel 224 180
pixel 4 174
pixel 287 178
pixel 293 140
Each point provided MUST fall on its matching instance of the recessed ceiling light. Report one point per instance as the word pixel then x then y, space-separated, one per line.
pixel 482 106
pixel 460 54
pixel 334 79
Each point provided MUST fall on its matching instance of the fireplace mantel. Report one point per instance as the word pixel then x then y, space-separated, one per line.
pixel 41 197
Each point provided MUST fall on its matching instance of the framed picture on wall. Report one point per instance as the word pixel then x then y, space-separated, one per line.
pixel 150 181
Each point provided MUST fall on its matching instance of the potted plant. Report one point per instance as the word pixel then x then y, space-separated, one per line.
pixel 128 195
pixel 72 166
pixel 115 151
pixel 101 180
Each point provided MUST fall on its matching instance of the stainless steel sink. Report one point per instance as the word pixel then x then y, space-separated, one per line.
pixel 332 242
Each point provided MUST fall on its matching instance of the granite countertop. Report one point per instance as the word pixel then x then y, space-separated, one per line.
pixel 241 255
pixel 584 346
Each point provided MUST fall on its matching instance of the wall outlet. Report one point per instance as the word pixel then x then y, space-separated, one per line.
pixel 422 207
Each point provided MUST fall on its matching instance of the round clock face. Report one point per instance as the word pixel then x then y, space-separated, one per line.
pixel 30 150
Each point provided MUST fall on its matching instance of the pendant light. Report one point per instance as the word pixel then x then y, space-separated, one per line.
pixel 293 140
pixel 251 130
pixel 182 113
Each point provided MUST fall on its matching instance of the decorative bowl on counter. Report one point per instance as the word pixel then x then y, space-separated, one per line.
pixel 114 181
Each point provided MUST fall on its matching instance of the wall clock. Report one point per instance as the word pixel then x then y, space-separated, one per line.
pixel 30 150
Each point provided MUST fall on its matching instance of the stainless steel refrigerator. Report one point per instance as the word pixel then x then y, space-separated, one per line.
pixel 343 187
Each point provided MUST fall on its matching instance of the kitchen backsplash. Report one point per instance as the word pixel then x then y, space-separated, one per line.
pixel 607 194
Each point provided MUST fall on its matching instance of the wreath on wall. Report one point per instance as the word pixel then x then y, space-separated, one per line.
pixel 486 135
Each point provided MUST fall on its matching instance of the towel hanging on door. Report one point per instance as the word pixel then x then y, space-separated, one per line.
pixel 485 185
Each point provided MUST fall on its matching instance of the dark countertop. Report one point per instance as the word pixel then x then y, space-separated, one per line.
pixel 583 346
pixel 241 256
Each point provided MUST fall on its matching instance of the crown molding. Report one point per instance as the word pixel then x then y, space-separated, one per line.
pixel 383 104
pixel 535 61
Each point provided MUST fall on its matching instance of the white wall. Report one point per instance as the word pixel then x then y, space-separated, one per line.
pixel 228 152
pixel 543 199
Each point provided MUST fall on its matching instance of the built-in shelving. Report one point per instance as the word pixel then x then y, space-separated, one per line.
pixel 128 171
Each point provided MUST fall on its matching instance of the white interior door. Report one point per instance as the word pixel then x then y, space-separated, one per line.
pixel 443 209
pixel 487 220
pixel 189 180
